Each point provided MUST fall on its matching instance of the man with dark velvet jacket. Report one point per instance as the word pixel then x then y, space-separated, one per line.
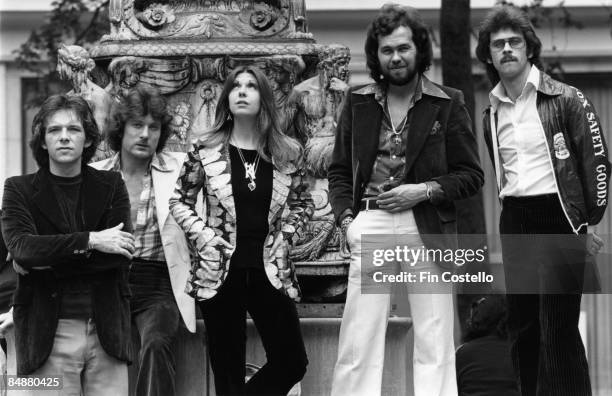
pixel 404 152
pixel 65 227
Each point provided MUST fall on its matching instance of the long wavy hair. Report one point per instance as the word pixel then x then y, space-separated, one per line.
pixel 52 105
pixel 506 17
pixel 140 101
pixel 272 141
pixel 391 17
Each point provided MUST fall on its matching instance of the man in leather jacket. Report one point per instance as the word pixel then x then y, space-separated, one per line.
pixel 552 168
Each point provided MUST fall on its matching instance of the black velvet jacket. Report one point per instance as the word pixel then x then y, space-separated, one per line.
pixel 441 147
pixel 37 236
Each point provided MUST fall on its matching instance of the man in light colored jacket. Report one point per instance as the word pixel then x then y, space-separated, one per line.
pixel 159 271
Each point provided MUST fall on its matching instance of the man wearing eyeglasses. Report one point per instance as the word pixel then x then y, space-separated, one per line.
pixel 551 161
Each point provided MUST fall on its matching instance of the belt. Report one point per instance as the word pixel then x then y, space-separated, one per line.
pixel 368 204
pixel 546 199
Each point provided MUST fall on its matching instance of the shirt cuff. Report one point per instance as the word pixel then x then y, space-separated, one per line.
pixel 437 192
pixel 345 213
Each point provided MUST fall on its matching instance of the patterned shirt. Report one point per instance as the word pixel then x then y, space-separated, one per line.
pixel 389 166
pixel 148 244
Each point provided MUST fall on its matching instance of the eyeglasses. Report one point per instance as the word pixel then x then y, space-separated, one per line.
pixel 515 43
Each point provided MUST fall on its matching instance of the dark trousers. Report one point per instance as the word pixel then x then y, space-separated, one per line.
pixel 156 316
pixel 275 317
pixel 546 267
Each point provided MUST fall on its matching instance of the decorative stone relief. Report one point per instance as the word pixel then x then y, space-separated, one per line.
pixel 137 20
pixel 312 111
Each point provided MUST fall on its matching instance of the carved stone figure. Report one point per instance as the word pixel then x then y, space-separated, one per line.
pixel 313 109
pixel 298 13
pixel 316 102
pixel 75 65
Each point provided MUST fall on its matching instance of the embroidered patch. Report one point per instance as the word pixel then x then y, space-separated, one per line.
pixel 436 128
pixel 561 151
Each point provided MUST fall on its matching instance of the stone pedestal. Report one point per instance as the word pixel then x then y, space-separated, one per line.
pixel 321 339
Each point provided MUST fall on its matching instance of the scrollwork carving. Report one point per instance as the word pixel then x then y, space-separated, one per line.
pixel 189 19
pixel 203 68
pixel 168 75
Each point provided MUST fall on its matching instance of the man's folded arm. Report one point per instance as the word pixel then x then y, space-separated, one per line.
pixel 29 249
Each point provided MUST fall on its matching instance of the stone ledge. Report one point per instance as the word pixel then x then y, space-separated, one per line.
pixel 166 48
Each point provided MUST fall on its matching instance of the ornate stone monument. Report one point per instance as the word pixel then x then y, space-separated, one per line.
pixel 186 48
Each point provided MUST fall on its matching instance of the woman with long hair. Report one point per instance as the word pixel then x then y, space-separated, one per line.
pixel 248 169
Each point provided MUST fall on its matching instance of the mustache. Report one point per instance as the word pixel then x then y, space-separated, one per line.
pixel 508 58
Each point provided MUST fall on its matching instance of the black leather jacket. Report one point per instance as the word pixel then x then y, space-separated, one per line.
pixel 576 148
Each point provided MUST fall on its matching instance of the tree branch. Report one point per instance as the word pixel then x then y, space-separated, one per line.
pixel 92 22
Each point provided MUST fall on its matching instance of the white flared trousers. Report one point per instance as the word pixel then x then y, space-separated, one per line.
pixel 359 367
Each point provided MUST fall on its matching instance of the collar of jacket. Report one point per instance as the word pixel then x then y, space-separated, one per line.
pixel 217 167
pixel 426 87
pixel 95 192
pixel 159 162
pixel 548 86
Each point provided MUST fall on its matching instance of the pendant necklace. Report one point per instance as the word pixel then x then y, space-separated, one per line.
pixel 397 133
pixel 250 168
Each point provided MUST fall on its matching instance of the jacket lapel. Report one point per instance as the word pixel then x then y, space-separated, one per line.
pixel 367 119
pixel 163 186
pixel 45 199
pixel 281 183
pixel 425 113
pixel 217 166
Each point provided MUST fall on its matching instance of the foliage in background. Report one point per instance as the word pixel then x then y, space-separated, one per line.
pixel 80 22
pixel 552 18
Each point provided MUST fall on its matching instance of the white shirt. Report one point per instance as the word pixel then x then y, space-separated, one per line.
pixel 525 162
